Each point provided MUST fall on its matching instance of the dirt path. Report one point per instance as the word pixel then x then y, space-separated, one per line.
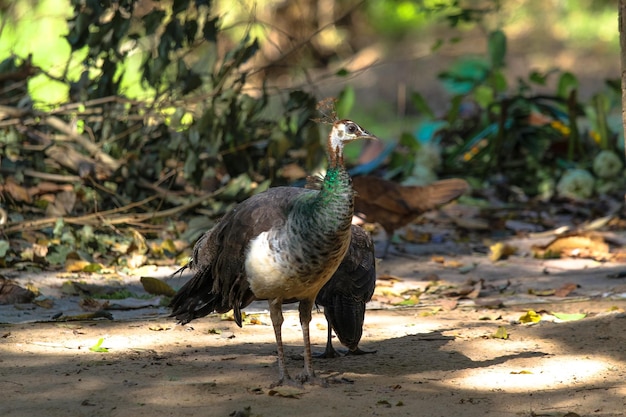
pixel 429 361
pixel 442 365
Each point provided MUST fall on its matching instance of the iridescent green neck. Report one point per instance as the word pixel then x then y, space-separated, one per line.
pixel 326 214
pixel 335 185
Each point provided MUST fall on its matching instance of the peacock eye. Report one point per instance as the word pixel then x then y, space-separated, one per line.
pixel 351 128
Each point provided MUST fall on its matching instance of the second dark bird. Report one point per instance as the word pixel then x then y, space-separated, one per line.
pixel 393 205
pixel 345 295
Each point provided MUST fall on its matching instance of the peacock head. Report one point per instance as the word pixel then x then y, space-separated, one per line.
pixel 342 132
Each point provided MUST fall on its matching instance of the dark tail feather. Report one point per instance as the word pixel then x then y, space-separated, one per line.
pixel 346 316
pixel 196 298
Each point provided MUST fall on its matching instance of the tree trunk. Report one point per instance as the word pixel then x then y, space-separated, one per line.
pixel 622 43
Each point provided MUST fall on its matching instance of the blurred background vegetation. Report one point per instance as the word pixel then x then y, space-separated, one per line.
pixel 158 115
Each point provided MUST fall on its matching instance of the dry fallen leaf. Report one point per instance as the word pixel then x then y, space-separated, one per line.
pixel 75 265
pixel 254 319
pixel 448 304
pixel 542 293
pixel 500 251
pixel 588 245
pixel 438 259
pixel 565 289
pixel 530 317
pixel 11 293
pixel 287 392
pixel 469 290
pixel 387 277
pixel 453 264
pixel 156 286
pixel 91 304
pixel 501 333
pixel 16 191
pixel 431 312
pixel 159 327
pixel 489 302
pixel 45 302
pixel 415 237
pixel 471 224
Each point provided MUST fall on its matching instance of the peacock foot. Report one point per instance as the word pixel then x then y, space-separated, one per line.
pixel 359 351
pixel 327 354
pixel 287 381
pixel 305 378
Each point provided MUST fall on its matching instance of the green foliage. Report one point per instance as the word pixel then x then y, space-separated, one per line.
pixel 163 105
pixel 398 17
pixel 491 127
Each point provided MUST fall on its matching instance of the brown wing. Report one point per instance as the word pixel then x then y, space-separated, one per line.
pixel 428 197
pixel 377 192
pixel 394 205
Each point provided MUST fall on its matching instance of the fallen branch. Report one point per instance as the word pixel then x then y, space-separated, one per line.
pixel 108 217
pixel 91 147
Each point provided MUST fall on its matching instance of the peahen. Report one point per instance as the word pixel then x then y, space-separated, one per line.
pixel 344 296
pixel 280 245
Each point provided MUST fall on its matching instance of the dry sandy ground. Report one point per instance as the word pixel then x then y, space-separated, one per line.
pixel 441 364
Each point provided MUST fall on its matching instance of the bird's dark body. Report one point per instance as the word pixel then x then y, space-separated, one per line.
pixel 350 288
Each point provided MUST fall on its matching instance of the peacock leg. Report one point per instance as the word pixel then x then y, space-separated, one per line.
pixel 276 314
pixel 305 319
pixel 330 351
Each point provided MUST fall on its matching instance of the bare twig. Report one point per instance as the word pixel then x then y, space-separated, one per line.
pixel 109 217
pixel 91 147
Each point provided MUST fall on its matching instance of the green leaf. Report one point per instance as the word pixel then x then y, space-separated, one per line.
pixel 420 104
pixel 345 101
pixel 4 248
pixel 498 81
pixel 98 346
pixel 92 267
pixel 567 83
pixel 58 227
pixel 569 316
pixel 58 254
pixel 496 48
pixel 437 45
pixel 411 301
pixel 408 140
pixel 538 78
pixel 483 96
pixel 464 75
